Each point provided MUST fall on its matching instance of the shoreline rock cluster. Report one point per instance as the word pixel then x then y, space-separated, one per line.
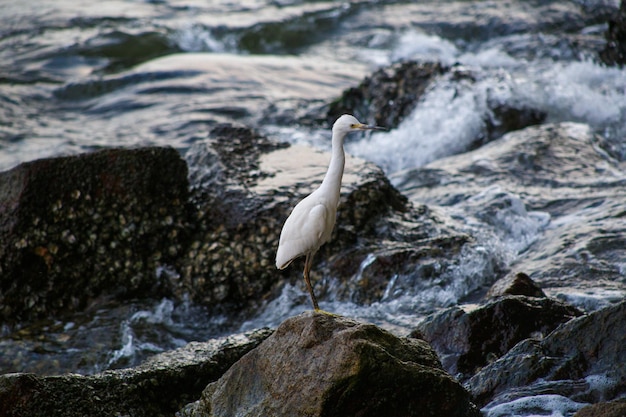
pixel 546 339
pixel 109 220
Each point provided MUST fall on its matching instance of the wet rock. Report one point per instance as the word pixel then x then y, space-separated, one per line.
pixel 468 340
pixel 614 53
pixel 317 364
pixel 580 360
pixel 245 187
pixel 611 409
pixel 517 284
pixel 390 94
pixel 551 174
pixel 95 225
pixel 158 387
pixel 387 96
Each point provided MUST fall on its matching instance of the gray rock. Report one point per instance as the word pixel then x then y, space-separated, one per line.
pixel 515 284
pixel 156 388
pixel 468 340
pixel 582 360
pixel 388 95
pixel 317 364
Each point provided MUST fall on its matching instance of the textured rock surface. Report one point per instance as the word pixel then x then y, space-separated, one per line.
pixel 611 409
pixel 523 182
pixel 240 212
pixel 77 228
pixel 614 53
pixel 387 96
pixel 467 341
pixel 515 284
pixel 246 186
pixel 580 360
pixel 156 388
pixel 390 94
pixel 316 364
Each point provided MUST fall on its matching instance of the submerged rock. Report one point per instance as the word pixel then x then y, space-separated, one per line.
pixel 95 225
pixel 159 387
pixel 580 360
pixel 468 340
pixel 527 188
pixel 317 364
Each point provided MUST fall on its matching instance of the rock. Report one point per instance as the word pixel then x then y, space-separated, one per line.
pixel 387 96
pixel 533 174
pixel 468 340
pixel 518 284
pixel 159 387
pixel 390 94
pixel 77 228
pixel 581 360
pixel 317 364
pixel 245 187
pixel 615 408
pixel 614 52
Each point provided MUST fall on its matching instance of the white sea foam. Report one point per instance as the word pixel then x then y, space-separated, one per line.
pixel 589 299
pixel 506 215
pixel 417 45
pixel 451 115
pixel 578 91
pixel 449 118
pixel 539 405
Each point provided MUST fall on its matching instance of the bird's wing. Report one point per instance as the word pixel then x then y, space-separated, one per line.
pixel 304 231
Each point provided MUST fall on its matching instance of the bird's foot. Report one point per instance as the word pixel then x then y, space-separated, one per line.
pixel 328 313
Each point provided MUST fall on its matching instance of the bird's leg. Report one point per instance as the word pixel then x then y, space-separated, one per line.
pixel 308 263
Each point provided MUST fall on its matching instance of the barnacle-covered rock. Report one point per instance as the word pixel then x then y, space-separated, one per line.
pixel 77 228
pixel 244 186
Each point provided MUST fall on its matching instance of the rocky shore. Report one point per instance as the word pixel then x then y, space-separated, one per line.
pixel 120 224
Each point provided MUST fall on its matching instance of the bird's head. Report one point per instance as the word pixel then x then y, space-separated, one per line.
pixel 348 123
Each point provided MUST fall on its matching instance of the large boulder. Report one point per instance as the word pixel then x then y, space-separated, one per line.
pixel 317 364
pixel 582 360
pixel 158 387
pixel 96 225
pixel 244 188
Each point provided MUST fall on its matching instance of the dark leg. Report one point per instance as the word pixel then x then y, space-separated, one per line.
pixel 308 263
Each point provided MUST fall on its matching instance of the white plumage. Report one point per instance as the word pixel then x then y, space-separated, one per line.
pixel 311 221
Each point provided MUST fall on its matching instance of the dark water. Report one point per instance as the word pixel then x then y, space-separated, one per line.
pixel 80 75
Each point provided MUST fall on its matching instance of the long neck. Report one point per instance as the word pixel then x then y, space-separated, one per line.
pixel 332 180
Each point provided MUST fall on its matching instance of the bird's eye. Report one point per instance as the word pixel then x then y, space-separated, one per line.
pixel 353 126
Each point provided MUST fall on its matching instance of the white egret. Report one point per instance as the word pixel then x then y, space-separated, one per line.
pixel 311 221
